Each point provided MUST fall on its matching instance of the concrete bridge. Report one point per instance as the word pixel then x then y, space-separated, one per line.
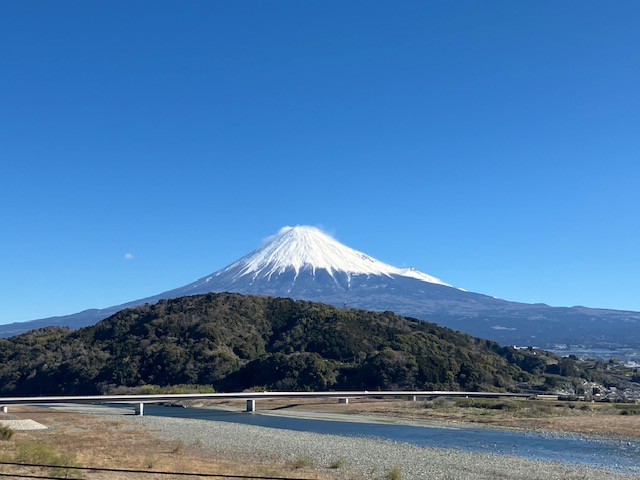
pixel 139 400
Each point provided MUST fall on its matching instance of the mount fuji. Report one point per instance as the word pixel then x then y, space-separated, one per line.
pixel 302 262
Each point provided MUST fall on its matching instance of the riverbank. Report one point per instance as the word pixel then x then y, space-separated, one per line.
pixel 99 437
pixel 360 457
pixel 599 419
pixel 106 437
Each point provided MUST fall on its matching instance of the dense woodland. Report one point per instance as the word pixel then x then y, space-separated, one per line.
pixel 236 342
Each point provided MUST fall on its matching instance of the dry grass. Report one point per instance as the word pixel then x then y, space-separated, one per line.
pixel 92 440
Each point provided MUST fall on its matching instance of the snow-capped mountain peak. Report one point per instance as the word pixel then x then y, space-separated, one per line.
pixel 308 248
pixel 303 263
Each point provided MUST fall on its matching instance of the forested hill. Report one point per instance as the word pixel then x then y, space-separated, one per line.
pixel 236 342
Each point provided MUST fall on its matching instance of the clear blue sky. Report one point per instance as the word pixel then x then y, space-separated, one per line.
pixel 495 145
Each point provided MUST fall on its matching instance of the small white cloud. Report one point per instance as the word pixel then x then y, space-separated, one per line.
pixel 128 256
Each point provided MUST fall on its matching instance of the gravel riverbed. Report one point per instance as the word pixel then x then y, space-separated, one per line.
pixel 370 458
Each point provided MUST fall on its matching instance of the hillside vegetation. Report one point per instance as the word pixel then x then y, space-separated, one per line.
pixel 235 342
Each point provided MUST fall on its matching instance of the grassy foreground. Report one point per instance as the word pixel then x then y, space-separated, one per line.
pixel 89 440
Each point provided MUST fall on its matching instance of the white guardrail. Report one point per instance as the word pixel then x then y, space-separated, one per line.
pixel 140 400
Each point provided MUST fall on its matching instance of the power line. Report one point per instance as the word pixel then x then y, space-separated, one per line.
pixel 21 475
pixel 147 472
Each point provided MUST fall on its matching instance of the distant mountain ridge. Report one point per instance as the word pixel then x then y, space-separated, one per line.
pixel 304 263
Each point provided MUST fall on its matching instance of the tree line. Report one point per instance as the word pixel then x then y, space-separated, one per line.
pixel 233 342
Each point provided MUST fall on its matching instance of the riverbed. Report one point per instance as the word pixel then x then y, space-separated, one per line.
pixel 240 437
pixel 582 452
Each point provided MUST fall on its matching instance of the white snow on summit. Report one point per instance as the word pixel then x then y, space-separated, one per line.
pixel 304 247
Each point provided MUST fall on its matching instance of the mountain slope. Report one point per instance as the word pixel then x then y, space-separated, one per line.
pixel 304 263
pixel 235 342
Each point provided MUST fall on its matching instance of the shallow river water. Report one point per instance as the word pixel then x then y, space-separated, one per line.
pixel 616 454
